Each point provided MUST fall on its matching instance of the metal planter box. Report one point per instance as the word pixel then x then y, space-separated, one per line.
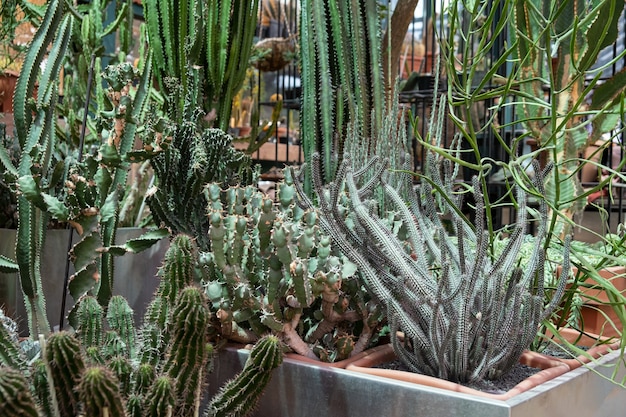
pixel 300 389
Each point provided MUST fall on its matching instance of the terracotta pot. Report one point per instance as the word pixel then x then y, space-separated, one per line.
pixel 550 369
pixel 598 315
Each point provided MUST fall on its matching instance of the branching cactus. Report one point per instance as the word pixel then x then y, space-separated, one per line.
pixel 120 320
pixel 271 269
pixel 240 396
pixel 15 397
pixel 466 314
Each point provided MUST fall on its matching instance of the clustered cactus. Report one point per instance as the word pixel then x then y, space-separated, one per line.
pixel 271 269
pixel 115 370
pixel 465 314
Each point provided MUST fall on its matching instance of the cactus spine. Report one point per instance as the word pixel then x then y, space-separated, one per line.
pixel 89 315
pixel 161 398
pixel 240 396
pixel 99 391
pixel 120 319
pixel 188 354
pixel 64 359
pixel 15 397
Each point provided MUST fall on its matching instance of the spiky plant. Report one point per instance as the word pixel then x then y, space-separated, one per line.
pixel 466 314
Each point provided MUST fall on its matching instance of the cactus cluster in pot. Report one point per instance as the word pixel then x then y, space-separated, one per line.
pixel 107 367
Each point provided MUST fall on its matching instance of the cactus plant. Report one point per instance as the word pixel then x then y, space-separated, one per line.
pixel 239 396
pixel 120 319
pixel 15 397
pixel 99 392
pixel 188 352
pixel 456 303
pixel 63 357
pixel 89 317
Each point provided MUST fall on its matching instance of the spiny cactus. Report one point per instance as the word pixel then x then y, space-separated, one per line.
pixel 15 397
pixel 10 353
pixel 89 315
pixel 120 319
pixel 99 393
pixel 189 351
pixel 213 35
pixel 240 396
pixel 161 398
pixel 63 357
pixel 189 158
pixel 465 314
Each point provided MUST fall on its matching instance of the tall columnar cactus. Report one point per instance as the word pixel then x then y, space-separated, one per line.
pixel 214 35
pixel 89 316
pixel 63 357
pixel 189 350
pixel 240 396
pixel 120 319
pixel 15 397
pixel 342 77
pixel 99 392
pixel 36 137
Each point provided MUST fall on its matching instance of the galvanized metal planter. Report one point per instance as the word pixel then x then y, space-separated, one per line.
pixel 301 389
pixel 135 275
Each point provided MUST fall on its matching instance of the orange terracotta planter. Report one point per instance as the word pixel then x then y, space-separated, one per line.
pixel 550 369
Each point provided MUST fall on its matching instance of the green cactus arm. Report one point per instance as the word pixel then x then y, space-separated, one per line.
pixel 161 399
pixel 89 316
pixel 8 266
pixel 120 319
pixel 239 397
pixel 36 52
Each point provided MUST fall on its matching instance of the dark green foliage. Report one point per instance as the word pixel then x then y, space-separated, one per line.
pixel 63 357
pixel 240 396
pixel 99 389
pixel 193 158
pixel 15 397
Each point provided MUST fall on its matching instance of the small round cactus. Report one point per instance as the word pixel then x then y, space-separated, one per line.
pixel 99 390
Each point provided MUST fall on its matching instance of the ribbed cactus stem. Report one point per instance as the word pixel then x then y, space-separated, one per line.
pixel 161 398
pixel 100 394
pixel 89 314
pixel 240 396
pixel 15 397
pixel 120 319
pixel 177 271
pixel 10 353
pixel 187 353
pixel 122 369
pixel 134 406
pixel 62 355
pixel 143 378
pixel 41 386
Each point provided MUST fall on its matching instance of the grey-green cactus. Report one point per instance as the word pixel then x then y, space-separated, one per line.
pixel 10 353
pixel 15 397
pixel 99 393
pixel 240 396
pixel 271 269
pixel 466 315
